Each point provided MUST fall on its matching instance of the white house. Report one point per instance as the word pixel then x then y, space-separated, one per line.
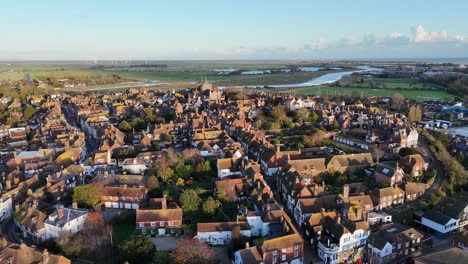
pixel 229 167
pixel 340 240
pixel 134 165
pixel 449 215
pixel 220 233
pixel 64 221
pixel 6 208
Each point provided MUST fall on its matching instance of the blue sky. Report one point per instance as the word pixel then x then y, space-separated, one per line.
pixel 255 29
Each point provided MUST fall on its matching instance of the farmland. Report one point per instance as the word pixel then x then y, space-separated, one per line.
pixel 419 95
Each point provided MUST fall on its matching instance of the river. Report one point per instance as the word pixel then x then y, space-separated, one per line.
pixel 324 79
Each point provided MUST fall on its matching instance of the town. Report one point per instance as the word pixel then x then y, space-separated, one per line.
pixel 212 174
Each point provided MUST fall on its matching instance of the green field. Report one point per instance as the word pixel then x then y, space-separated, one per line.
pixel 419 95
pixel 391 83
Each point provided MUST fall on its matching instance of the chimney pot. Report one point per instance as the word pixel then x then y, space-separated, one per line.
pixel 60 212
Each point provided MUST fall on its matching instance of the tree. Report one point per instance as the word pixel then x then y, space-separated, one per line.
pixel 87 195
pixel 190 200
pixel 162 257
pixel 415 113
pixel 314 139
pixel 125 126
pixel 183 170
pixel 313 117
pixel 153 183
pixel 94 236
pixel 408 151
pixel 192 251
pixel 302 115
pixel 278 113
pixel 206 167
pixel 28 112
pixel 163 168
pixel 137 250
pixel 138 124
pixel 398 101
pixel 210 206
pixel 335 125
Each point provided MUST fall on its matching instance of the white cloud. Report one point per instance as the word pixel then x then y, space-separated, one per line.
pixel 421 36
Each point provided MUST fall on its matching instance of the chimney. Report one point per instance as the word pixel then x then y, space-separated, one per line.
pixel 164 203
pixel 75 205
pixel 4 242
pixel 60 212
pixel 365 215
pixel 45 256
pixel 346 191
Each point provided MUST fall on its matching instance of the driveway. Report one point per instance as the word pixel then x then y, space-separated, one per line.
pixel 165 243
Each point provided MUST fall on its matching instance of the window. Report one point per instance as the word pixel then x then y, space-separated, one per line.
pixel 274 253
pixel 153 224
pixel 296 253
pixel 399 245
pixel 161 223
pixel 171 223
pixel 419 239
pixel 296 247
pixel 283 257
pixel 275 259
pixel 283 250
pixel 142 224
pixel 407 244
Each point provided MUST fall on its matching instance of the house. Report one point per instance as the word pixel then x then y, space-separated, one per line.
pixel 122 197
pixel 152 222
pixel 294 104
pixel 314 224
pixel 6 208
pixel 284 249
pixel 386 197
pixel 229 167
pixel 392 243
pixel 30 222
pixel 414 164
pixel 134 165
pixel 413 190
pixel 388 174
pixel 220 233
pixel 65 221
pixel 341 240
pixel 230 190
pixel 447 217
pixel 460 240
pixel 13 253
pixel 307 206
pixel 260 221
pixel 350 162
pixel 375 218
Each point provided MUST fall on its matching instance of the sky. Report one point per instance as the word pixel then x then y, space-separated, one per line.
pixel 225 30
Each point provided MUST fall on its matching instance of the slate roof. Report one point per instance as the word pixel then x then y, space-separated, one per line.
pixel 69 214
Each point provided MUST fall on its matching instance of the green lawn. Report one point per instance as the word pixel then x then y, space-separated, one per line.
pixel 419 95
pixel 391 83
pixel 123 227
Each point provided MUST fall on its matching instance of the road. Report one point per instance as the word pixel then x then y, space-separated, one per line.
pixel 434 164
pixel 9 231
pixel 71 115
